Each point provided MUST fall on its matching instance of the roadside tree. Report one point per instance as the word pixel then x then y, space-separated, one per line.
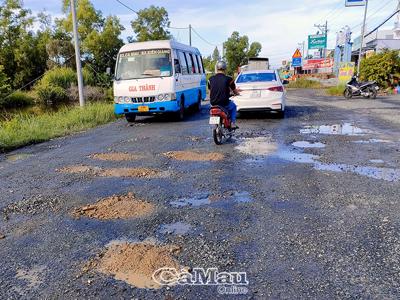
pixel 151 24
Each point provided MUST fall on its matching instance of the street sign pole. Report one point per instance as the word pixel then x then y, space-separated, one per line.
pixel 362 38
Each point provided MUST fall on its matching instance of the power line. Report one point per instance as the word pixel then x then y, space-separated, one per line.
pixel 203 39
pixel 123 4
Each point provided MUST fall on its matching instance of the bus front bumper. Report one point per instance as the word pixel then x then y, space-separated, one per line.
pixel 147 108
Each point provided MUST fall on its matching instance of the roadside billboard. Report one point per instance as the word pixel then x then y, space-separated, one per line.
pixel 346 71
pixel 317 41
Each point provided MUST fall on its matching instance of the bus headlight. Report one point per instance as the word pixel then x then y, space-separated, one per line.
pixel 160 97
pixel 116 99
pixel 120 99
pixel 127 99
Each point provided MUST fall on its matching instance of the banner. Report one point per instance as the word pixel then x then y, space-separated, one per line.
pixel 346 71
pixel 322 63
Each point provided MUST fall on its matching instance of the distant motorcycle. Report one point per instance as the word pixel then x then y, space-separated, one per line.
pixel 366 89
pixel 221 121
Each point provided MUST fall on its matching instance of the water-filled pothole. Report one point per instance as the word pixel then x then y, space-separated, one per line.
pixel 306 144
pixel 336 129
pixel 178 228
pixel 201 199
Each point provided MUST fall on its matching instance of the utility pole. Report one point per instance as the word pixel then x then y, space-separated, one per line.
pixel 362 38
pixel 190 34
pixel 77 55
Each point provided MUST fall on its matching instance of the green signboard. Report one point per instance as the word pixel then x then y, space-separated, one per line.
pixel 317 41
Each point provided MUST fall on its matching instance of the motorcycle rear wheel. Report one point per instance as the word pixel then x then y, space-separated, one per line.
pixel 348 93
pixel 217 134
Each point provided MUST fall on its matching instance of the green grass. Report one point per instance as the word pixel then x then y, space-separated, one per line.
pixel 26 129
pixel 336 90
pixel 302 83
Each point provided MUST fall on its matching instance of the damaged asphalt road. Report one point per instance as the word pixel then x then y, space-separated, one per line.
pixel 307 206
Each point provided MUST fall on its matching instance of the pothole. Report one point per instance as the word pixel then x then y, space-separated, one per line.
pixel 115 156
pixel 201 199
pixel 178 228
pixel 130 172
pixel 195 155
pixel 116 207
pixel 31 206
pixel 113 172
pixel 258 146
pixel 17 157
pixel 305 144
pixel 135 263
pixel 336 129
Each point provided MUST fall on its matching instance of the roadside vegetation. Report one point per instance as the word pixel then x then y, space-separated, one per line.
pixel 303 83
pixel 24 129
pixel 336 90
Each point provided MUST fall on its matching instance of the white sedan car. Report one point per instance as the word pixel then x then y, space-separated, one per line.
pixel 262 90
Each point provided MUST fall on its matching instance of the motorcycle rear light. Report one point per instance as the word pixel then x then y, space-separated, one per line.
pixel 276 89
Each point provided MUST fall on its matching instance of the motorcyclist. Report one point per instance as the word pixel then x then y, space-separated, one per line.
pixel 220 87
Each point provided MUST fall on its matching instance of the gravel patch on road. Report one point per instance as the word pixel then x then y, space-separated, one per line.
pixel 195 155
pixel 115 156
pixel 32 206
pixel 135 263
pixel 116 207
pixel 113 172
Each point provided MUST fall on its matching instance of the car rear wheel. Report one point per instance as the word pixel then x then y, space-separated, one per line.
pixel 130 117
pixel 280 114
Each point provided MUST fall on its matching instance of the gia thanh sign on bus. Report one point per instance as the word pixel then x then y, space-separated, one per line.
pixel 317 41
pixel 355 2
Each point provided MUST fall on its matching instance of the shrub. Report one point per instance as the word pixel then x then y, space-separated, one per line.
pixel 91 93
pixel 4 83
pixel 88 77
pixel 50 94
pixel 381 67
pixel 61 77
pixel 303 83
pixel 336 90
pixel 17 99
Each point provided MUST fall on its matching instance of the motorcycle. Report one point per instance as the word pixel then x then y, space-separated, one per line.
pixel 366 89
pixel 220 119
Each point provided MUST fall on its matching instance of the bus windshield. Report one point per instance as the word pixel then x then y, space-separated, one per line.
pixel 144 64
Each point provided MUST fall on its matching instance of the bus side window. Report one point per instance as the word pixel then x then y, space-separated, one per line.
pixel 202 65
pixel 190 63
pixel 194 62
pixel 198 60
pixel 183 63
pixel 177 66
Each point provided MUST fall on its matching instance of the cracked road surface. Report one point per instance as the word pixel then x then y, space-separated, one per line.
pixel 307 206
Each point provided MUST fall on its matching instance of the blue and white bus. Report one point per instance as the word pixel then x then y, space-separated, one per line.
pixel 158 77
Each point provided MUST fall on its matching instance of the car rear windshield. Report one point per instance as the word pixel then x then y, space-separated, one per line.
pixel 256 77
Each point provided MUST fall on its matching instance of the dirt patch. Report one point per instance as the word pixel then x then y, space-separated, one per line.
pixel 130 172
pixel 135 263
pixel 114 172
pixel 195 155
pixel 116 207
pixel 80 169
pixel 115 156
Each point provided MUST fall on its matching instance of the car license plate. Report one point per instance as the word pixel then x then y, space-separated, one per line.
pixel 214 120
pixel 143 108
pixel 255 94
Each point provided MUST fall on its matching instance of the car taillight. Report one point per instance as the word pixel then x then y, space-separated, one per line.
pixel 276 89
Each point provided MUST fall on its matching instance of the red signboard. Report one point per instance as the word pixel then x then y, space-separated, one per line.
pixel 322 63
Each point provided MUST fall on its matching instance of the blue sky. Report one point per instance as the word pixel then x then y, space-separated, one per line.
pixel 278 25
